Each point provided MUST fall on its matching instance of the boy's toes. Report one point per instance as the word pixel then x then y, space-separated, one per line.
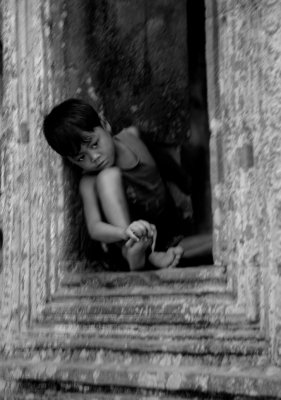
pixel 178 251
pixel 174 263
pixel 175 253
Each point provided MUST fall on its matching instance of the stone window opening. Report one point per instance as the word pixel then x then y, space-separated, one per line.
pixel 150 72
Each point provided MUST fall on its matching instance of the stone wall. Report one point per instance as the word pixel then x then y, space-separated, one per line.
pixel 212 330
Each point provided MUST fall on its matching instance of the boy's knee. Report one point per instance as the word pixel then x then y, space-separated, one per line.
pixel 109 176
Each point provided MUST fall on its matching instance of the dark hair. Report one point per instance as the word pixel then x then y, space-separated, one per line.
pixel 65 125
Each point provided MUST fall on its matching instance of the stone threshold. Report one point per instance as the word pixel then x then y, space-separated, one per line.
pixel 174 281
pixel 202 289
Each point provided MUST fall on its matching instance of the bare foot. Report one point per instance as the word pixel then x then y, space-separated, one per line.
pixel 135 253
pixel 167 259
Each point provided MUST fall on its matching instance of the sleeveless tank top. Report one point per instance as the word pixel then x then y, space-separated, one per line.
pixel 145 190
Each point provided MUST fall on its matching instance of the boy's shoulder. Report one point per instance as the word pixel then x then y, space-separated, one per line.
pixel 131 137
pixel 131 130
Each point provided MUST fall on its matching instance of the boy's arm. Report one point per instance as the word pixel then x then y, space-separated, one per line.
pixel 98 230
pixel 103 231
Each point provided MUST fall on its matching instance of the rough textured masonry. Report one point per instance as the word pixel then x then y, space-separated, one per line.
pixel 69 332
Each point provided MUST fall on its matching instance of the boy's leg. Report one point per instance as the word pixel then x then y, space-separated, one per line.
pixel 114 204
pixel 197 245
pixel 112 197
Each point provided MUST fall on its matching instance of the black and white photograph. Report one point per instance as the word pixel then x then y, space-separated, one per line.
pixel 140 199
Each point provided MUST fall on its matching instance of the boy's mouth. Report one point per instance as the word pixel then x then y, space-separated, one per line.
pixel 101 164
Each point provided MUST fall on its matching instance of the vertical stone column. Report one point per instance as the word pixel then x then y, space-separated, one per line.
pixel 32 197
pixel 268 148
pixel 244 64
pixel 233 53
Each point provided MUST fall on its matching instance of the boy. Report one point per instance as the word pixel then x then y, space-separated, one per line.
pixel 114 170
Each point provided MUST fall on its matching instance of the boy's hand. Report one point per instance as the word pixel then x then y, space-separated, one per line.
pixel 140 230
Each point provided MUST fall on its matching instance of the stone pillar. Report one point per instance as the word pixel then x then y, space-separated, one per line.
pixel 244 64
pixel 33 200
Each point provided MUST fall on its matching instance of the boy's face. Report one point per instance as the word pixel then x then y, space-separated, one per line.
pixel 97 151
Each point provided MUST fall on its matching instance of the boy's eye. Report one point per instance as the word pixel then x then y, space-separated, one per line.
pixel 93 145
pixel 87 139
pixel 80 158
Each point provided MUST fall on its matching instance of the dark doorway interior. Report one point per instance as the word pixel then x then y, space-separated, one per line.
pixel 197 160
pixel 143 64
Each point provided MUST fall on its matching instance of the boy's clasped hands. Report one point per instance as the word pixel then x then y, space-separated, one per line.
pixel 141 230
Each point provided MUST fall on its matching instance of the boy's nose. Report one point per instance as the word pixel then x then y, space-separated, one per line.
pixel 94 157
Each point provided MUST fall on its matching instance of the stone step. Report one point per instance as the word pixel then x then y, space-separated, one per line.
pixel 217 349
pixel 35 393
pixel 256 382
pixel 48 394
pixel 140 309
pixel 132 333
